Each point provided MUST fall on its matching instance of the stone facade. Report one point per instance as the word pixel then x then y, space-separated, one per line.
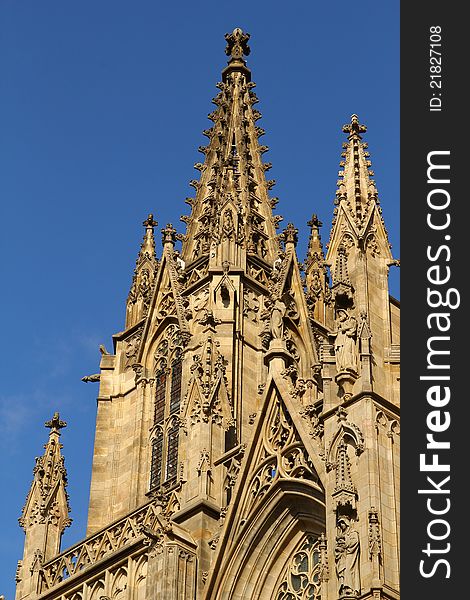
pixel 247 433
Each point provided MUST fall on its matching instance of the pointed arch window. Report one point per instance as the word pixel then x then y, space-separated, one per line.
pixel 302 577
pixel 167 401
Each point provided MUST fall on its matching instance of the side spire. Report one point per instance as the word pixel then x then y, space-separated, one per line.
pixel 45 514
pixel 356 191
pixel 316 275
pixel 144 275
pixel 231 218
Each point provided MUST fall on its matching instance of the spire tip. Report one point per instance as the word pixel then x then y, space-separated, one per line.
pixel 55 424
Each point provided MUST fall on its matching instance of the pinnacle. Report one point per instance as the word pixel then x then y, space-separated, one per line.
pixel 356 189
pixel 148 244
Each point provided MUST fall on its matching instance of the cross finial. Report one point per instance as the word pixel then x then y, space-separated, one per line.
pixel 290 234
pixel 169 234
pixel 55 424
pixel 237 44
pixel 354 128
pixel 314 221
pixel 149 221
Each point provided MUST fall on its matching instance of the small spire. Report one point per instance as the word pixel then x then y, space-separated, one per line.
pixel 315 248
pixel 144 275
pixel 316 276
pixel 148 245
pixel 46 512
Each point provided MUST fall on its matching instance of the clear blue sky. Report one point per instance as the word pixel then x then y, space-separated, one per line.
pixel 102 105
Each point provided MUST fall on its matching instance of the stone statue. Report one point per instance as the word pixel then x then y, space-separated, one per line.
pixel 277 319
pixel 227 225
pixel 345 343
pixel 347 559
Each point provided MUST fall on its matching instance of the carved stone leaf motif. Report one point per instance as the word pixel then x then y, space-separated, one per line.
pixel 311 414
pixel 302 578
pixel 282 455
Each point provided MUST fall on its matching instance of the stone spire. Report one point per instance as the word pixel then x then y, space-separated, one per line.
pixel 356 192
pixel 144 275
pixel 45 514
pixel 359 258
pixel 231 217
pixel 316 276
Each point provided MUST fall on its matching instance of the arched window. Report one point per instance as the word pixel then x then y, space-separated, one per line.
pixel 167 400
pixel 301 580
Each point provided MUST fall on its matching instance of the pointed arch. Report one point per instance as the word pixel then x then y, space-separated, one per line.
pixel 140 579
pixel 165 362
pixel 278 496
pixel 256 561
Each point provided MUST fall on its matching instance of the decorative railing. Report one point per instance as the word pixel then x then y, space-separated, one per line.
pixel 96 547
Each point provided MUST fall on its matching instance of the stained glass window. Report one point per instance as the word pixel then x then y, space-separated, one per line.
pixel 160 389
pixel 157 455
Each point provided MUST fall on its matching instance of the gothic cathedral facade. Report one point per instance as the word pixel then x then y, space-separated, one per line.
pixel 247 435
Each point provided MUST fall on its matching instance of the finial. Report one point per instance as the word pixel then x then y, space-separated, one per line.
pixel 289 234
pixel 169 234
pixel 237 45
pixel 314 221
pixel 354 128
pixel 149 221
pixel 55 424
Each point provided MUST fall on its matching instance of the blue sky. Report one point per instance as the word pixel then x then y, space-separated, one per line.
pixel 102 107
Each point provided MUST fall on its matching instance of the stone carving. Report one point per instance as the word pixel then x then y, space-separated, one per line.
pixel 228 228
pixel 284 456
pixel 278 313
pixel 375 543
pixel 312 414
pixel 251 305
pixel 132 348
pixel 211 401
pixel 347 551
pixel 345 342
pixel 237 45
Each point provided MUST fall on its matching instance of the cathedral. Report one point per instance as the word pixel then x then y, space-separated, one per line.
pixel 247 434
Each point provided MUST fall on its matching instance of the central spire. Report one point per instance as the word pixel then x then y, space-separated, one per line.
pixel 231 218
